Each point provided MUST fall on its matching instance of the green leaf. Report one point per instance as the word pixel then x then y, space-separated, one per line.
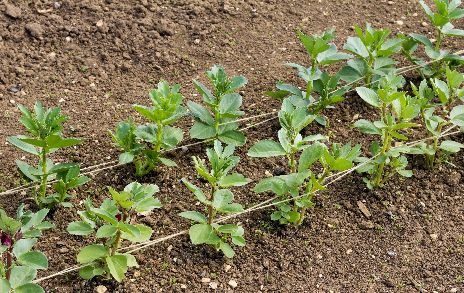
pixel 235 179
pixel 200 112
pixel 21 275
pixel 172 136
pixel 79 228
pixel 238 240
pixel 4 286
pixel 451 146
pixel 233 137
pixel 56 142
pixel 194 216
pixel 230 103
pixel 126 158
pixel 195 190
pixel 237 82
pixel 143 234
pixel 205 92
pixel 27 170
pixel 356 46
pixel 203 234
pixel 167 162
pixel 34 259
pixel 226 249
pixel 222 197
pixel 266 148
pixel 106 231
pixel 201 130
pixel 17 142
pixel 23 245
pixel 88 272
pixel 369 96
pixel 147 204
pixel 117 265
pixel 310 155
pixel 91 252
pixel 29 288
pixel 367 127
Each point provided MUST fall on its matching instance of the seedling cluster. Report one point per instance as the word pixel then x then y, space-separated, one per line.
pixel 427 110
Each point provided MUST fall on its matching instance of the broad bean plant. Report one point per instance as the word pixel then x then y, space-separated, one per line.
pixel 321 90
pixel 144 144
pixel 446 12
pixel 396 110
pixel 218 120
pixel 218 199
pixel 19 262
pixel 295 191
pixel 373 49
pixel 113 222
pixel 44 137
pixel 441 107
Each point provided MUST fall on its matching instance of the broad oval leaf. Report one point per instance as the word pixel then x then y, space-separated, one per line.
pixel 91 253
pixel 194 216
pixel 79 228
pixel 266 148
pixel 34 259
pixel 369 96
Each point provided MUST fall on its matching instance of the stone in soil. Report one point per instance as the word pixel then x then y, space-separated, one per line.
pixel 34 29
pixel 12 11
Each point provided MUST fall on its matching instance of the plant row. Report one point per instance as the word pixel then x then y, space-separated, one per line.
pixel 427 109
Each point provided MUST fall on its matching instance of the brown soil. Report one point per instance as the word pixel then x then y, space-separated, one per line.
pixel 97 58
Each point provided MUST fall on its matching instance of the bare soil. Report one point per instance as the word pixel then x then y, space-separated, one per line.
pixel 97 58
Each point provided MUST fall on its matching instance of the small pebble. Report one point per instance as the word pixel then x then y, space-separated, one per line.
pixel 12 11
pixel 205 280
pixel 391 253
pixel 233 284
pixel 213 285
pixel 101 289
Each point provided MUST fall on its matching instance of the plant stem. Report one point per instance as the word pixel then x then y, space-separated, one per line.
pixel 368 77
pixel 117 240
pixel 159 137
pixel 321 181
pixel 211 212
pixel 9 260
pixel 43 184
pixel 435 145
pixel 438 41
pixel 385 147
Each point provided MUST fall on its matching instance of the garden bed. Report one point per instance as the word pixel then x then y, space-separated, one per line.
pixel 97 59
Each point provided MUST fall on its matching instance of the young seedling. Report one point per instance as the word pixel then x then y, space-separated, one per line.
pixel 441 19
pixel 218 200
pixel 396 110
pixel 44 127
pixel 18 261
pixel 296 190
pixel 292 121
pixel 144 144
pixel 114 221
pixel 322 52
pixel 440 111
pixel 373 50
pixel 218 122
